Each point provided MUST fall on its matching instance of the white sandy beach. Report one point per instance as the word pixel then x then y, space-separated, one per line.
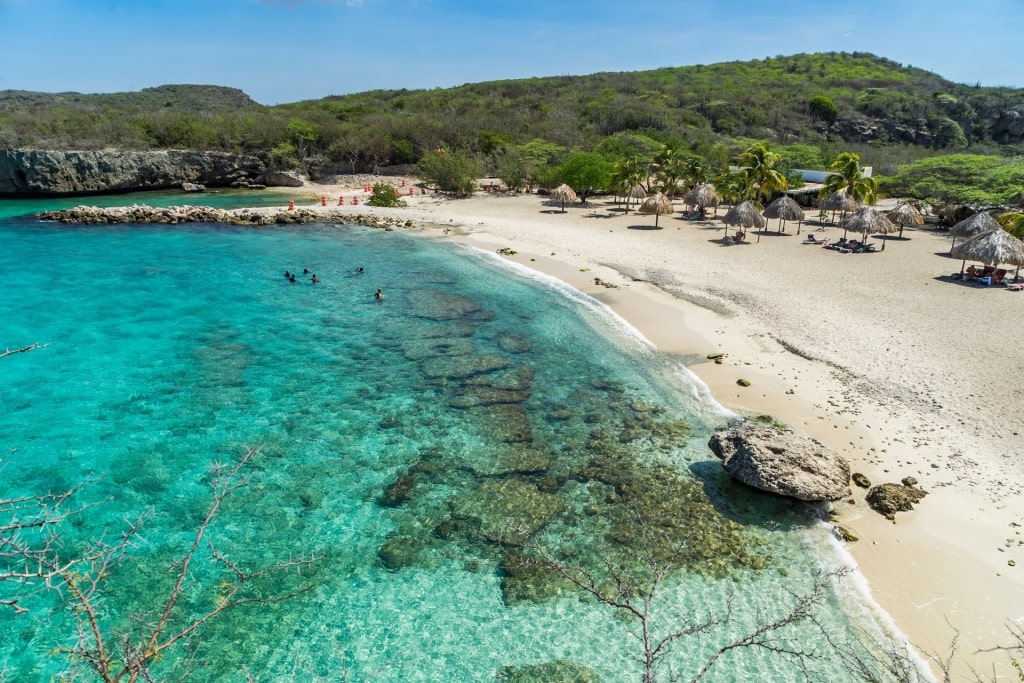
pixel 903 371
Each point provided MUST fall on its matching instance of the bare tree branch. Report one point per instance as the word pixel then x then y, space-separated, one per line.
pixel 632 587
pixel 30 347
pixel 30 556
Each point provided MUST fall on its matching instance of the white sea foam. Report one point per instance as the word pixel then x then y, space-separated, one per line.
pixel 698 389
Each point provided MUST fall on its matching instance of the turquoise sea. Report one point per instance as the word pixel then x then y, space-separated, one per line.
pixel 421 446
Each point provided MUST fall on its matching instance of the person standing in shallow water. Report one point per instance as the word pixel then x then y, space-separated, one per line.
pixel 379 295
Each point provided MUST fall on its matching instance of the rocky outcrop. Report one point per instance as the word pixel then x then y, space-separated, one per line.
pixel 206 214
pixel 1009 126
pixel 888 499
pixel 282 178
pixel 860 128
pixel 25 172
pixel 783 462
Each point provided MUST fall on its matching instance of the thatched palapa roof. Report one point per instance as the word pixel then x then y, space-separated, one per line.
pixel 744 215
pixel 563 193
pixel 658 204
pixel 993 248
pixel 974 225
pixel 869 222
pixel 785 209
pixel 905 214
pixel 839 201
pixel 702 195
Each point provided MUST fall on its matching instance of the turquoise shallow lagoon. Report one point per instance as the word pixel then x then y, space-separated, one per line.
pixel 411 442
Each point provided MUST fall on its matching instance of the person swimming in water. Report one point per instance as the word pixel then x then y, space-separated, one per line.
pixel 359 270
pixel 379 295
pixel 315 279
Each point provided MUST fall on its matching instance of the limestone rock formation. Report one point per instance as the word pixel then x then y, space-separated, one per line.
pixel 783 462
pixel 888 499
pixel 282 178
pixel 30 172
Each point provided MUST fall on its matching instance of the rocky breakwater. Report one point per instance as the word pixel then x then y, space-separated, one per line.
pixel 32 172
pixel 206 214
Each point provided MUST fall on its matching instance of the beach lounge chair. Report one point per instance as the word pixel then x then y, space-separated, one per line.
pixel 1015 287
pixel 811 239
pixel 838 244
pixel 852 247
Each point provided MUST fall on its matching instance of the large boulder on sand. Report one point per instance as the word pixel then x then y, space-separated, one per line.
pixel 888 499
pixel 783 462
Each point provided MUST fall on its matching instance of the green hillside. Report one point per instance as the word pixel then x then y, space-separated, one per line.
pixel 886 112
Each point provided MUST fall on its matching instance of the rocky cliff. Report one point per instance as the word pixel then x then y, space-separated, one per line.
pixel 25 172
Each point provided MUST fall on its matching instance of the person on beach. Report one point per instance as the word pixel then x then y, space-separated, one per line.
pixel 379 295
pixel 315 279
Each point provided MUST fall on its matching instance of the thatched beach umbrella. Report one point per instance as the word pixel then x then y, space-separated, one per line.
pixel 637 192
pixel 973 225
pixel 905 214
pixel 744 215
pixel 991 248
pixel 839 201
pixel 868 221
pixel 703 196
pixel 563 193
pixel 658 204
pixel 785 209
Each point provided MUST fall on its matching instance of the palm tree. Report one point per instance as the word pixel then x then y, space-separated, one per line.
pixel 733 186
pixel 696 170
pixel 627 174
pixel 1013 223
pixel 671 165
pixel 763 175
pixel 848 176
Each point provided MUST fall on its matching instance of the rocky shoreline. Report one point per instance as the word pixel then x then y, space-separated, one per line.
pixel 207 214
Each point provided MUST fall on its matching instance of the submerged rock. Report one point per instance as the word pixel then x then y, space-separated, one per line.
pixel 514 343
pixel 509 509
pixel 783 462
pixel 433 347
pixel 888 499
pixel 439 306
pixel 556 671
pixel 461 367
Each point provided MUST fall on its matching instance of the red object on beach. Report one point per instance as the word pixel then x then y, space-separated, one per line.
pixel 423 190
pixel 323 200
pixel 341 201
pixel 291 204
pixel 355 200
pixel 366 188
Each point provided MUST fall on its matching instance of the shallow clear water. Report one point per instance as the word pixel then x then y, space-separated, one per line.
pixel 400 440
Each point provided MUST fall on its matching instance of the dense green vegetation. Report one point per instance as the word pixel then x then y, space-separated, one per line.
pixel 808 108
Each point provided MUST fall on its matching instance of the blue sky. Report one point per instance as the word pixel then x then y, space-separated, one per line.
pixel 289 50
